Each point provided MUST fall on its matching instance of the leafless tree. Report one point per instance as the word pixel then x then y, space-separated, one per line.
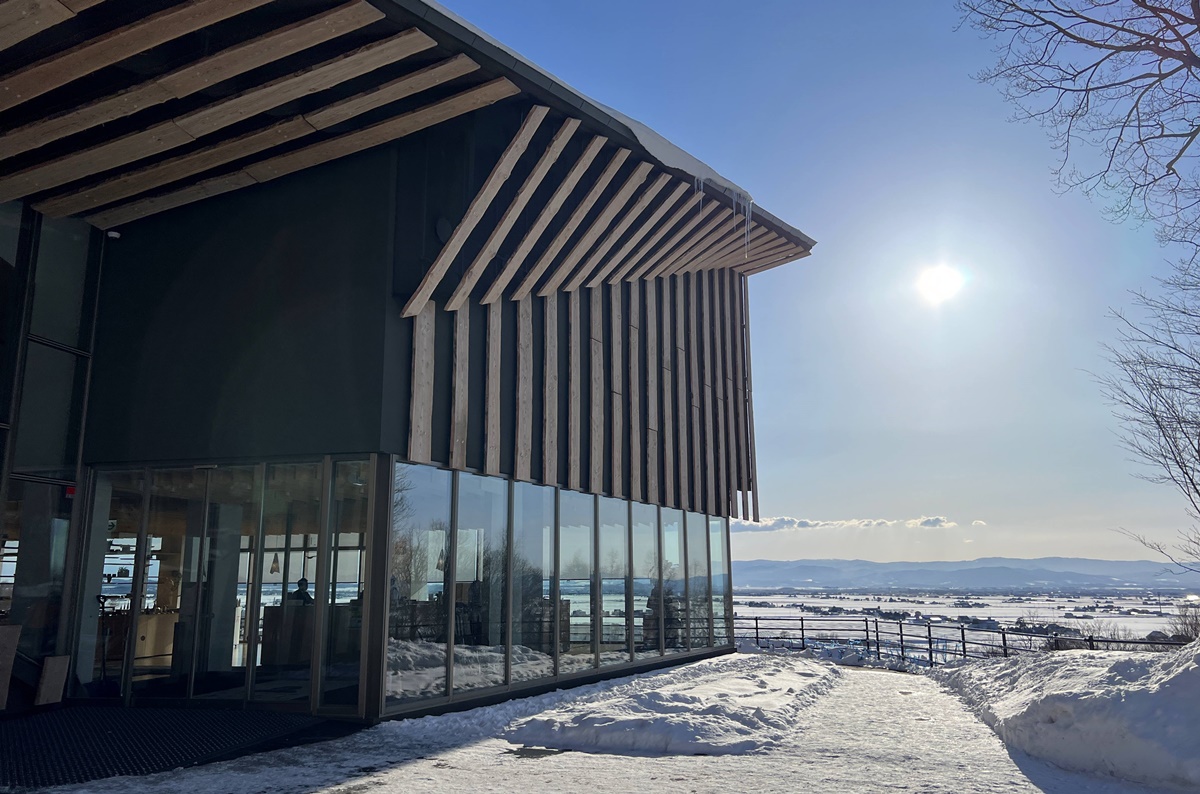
pixel 1121 79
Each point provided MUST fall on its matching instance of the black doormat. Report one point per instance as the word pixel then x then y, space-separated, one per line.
pixel 81 743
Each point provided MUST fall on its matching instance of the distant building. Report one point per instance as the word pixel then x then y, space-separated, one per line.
pixel 350 364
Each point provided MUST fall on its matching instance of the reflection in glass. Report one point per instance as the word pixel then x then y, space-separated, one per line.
pixel 533 580
pixel 33 549
pixel 721 601
pixel 576 567
pixel 674 594
pixel 290 529
pixel 223 631
pixel 60 279
pixel 647 588
pixel 418 614
pixel 699 597
pixel 345 587
pixel 615 609
pixel 480 581
pixel 10 300
pixel 107 583
pixel 51 400
pixel 169 562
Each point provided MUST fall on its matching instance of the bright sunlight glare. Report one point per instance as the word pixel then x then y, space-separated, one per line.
pixel 939 284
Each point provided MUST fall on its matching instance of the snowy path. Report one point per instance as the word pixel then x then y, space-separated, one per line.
pixel 852 730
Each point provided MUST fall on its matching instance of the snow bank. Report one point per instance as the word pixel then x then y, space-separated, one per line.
pixel 734 705
pixel 1135 716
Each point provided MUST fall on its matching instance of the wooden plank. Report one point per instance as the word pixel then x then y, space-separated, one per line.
pixel 599 226
pixel 663 394
pixel 732 457
pixel 767 246
pixel 769 260
pixel 515 208
pixel 750 399
pixel 21 19
pixel 616 389
pixel 491 464
pixel 392 91
pixel 708 403
pixel 617 266
pixel 703 242
pixel 305 82
pixel 597 393
pixel 636 444
pixel 736 244
pixel 461 390
pixel 10 637
pixel 701 462
pixel 174 169
pixel 653 365
pixel 573 222
pixel 726 238
pixel 115 46
pixel 646 268
pixel 693 240
pixel 683 402
pixel 125 213
pixel 80 5
pixel 496 179
pixel 739 385
pixel 420 439
pixel 547 214
pixel 575 336
pixel 593 264
pixel 52 681
pixel 523 460
pixel 550 470
pixel 777 262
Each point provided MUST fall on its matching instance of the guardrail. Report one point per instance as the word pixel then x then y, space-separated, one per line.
pixel 922 643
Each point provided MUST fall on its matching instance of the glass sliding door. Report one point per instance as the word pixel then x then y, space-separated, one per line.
pixel 674 593
pixel 480 582
pixel 699 597
pixel 346 586
pixel 168 564
pixel 534 621
pixel 647 582
pixel 616 610
pixel 576 574
pixel 286 621
pixel 418 562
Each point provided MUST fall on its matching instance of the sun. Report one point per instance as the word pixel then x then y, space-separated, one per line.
pixel 939 284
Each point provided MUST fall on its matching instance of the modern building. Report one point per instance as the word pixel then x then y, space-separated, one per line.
pixel 350 364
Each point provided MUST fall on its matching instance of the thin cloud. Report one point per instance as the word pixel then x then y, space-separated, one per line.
pixel 789 523
pixel 930 522
pixel 978 523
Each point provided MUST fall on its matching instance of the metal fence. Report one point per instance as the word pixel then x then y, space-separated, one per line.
pixel 925 644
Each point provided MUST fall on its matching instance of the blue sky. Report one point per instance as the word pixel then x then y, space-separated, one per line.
pixel 862 126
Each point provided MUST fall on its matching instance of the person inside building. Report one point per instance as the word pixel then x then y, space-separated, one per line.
pixel 301 593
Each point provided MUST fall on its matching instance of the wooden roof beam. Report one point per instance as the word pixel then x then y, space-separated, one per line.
pixel 648 195
pixel 740 247
pixel 639 233
pixel 189 79
pixel 736 239
pixel 547 214
pixel 643 269
pixel 777 248
pixel 115 46
pixel 722 234
pixel 479 205
pixel 572 224
pixel 782 259
pixel 330 149
pixel 648 244
pixel 21 19
pixel 691 242
pixel 509 219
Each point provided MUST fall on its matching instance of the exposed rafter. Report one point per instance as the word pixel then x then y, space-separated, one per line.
pixel 630 261
pixel 599 226
pixel 697 217
pixel 636 237
pixel 691 242
pixel 615 234
pixel 21 19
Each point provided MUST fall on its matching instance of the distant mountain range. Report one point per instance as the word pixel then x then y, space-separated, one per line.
pixel 986 573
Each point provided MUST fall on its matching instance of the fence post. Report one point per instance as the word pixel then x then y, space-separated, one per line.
pixel 929 634
pixel 1004 641
pixel 963 629
pixel 900 624
pixel 803 641
pixel 757 639
pixel 1091 642
pixel 867 633
pixel 878 647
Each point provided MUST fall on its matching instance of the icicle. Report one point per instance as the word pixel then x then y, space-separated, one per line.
pixel 749 212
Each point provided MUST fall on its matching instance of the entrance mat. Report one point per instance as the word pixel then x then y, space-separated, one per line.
pixel 81 743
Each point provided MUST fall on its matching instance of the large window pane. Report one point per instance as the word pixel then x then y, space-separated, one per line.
pixel 699 597
pixel 615 609
pixel 480 582
pixel 721 602
pixel 346 587
pixel 576 567
pixel 674 600
pixel 533 610
pixel 291 528
pixel 33 548
pixel 48 430
pixel 60 281
pixel 647 582
pixel 10 299
pixel 418 614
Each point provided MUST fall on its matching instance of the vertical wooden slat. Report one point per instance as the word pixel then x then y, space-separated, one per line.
pixel 524 455
pixel 701 449
pixel 617 390
pixel 733 454
pixel 750 398
pixel 491 460
pixel 666 424
pixel 596 447
pixel 689 448
pixel 420 439
pixel 739 385
pixel 636 443
pixel 575 337
pixel 712 450
pixel 461 390
pixel 677 358
pixel 550 398
pixel 650 332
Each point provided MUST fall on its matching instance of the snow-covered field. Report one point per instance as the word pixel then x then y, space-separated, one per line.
pixel 768 722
